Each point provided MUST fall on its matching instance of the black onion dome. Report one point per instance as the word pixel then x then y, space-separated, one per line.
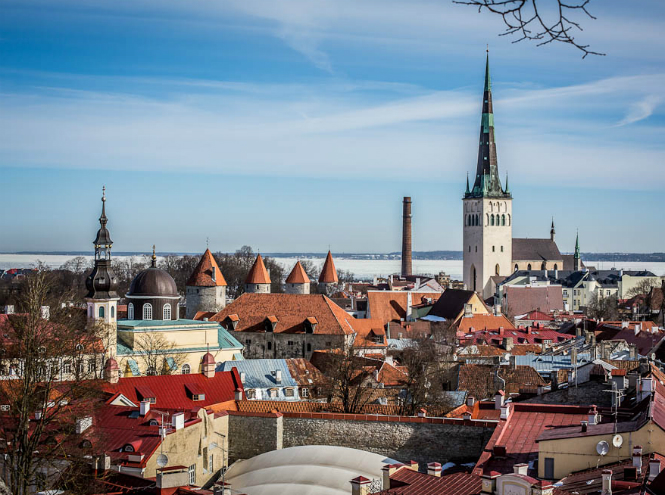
pixel 153 282
pixel 102 282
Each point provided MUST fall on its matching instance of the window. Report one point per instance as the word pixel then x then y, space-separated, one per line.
pixel 565 293
pixel 101 311
pixel 251 394
pixel 167 312
pixel 185 369
pixel 476 249
pixel 92 366
pixel 556 267
pixel 147 311
pixel 130 311
pixel 248 342
pixel 493 249
pixel 469 248
pixel 516 267
pixel 112 311
pixel 67 367
pixel 273 392
pixel 192 474
pixel 543 266
pixel 128 448
pixel 153 422
pixel 549 468
pixel 290 342
pixel 304 392
pixel 491 219
pixel 503 220
pixel 528 267
pixel 211 463
pixel 496 269
pixel 502 249
pixel 269 345
pixel 288 392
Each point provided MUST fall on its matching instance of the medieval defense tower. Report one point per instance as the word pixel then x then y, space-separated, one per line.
pixel 488 231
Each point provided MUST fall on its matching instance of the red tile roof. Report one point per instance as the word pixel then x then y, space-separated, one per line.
pixel 370 333
pixel 538 316
pixel 522 300
pixel 291 311
pixel 258 273
pixel 171 391
pixel 297 275
pixel 202 274
pixel 406 481
pixel 531 335
pixel 645 339
pixel 392 376
pixel 328 272
pixel 388 306
pixel 517 435
pixel 481 381
pixel 305 373
pixel 484 322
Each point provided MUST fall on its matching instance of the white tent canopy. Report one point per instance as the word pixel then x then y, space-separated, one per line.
pixel 307 470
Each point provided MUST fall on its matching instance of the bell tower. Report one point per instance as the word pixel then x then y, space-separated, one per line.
pixel 487 211
pixel 102 298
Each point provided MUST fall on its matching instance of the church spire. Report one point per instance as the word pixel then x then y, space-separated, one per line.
pixel 577 265
pixel 552 232
pixel 487 181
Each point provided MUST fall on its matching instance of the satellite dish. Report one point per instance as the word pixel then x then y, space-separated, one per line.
pixel 162 460
pixel 602 448
pixel 617 441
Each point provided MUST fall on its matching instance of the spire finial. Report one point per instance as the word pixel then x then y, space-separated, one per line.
pixel 103 193
pixel 154 257
pixel 488 49
pixel 207 242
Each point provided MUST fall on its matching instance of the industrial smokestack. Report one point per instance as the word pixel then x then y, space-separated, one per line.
pixel 406 238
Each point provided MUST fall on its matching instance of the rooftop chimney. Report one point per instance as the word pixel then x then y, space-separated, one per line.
pixel 594 418
pixel 637 457
pixel 278 376
pixel 498 399
pixel 434 469
pixel 607 482
pixel 145 407
pixel 406 237
pixel 173 478
pixel 360 486
pixel 654 469
pixel 178 421
pixel 521 469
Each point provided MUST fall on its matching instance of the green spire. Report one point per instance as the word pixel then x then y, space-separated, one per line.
pixel 488 82
pixel 577 245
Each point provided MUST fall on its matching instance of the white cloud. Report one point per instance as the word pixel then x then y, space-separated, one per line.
pixel 641 110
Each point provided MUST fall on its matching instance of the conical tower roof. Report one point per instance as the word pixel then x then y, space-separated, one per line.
pixel 298 275
pixel 207 273
pixel 258 274
pixel 328 272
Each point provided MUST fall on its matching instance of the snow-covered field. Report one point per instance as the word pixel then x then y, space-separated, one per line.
pixel 361 268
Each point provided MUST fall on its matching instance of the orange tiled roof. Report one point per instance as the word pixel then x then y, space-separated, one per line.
pixel 370 333
pixel 390 306
pixel 258 274
pixel 481 382
pixel 291 312
pixel 297 275
pixel 328 272
pixel 392 376
pixel 305 373
pixel 482 322
pixel 202 274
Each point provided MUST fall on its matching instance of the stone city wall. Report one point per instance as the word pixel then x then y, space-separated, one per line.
pixel 398 437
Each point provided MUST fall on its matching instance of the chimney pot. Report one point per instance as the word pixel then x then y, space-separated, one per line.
pixel 278 376
pixel 637 457
pixel 654 469
pixel 607 482
pixel 144 407
pixel 434 469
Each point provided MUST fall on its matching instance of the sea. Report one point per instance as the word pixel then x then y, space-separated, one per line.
pixel 363 269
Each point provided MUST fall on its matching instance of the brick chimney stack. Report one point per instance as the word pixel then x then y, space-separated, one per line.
pixel 406 238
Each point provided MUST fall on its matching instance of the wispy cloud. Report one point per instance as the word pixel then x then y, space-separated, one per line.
pixel 641 110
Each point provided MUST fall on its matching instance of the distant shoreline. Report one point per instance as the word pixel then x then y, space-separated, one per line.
pixel 417 255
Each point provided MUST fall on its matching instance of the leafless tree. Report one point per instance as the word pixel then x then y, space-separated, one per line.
pixel 603 307
pixel 40 410
pixel 538 20
pixel 643 287
pixel 348 375
pixel 159 355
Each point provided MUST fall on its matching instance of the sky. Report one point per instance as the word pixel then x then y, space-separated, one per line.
pixel 298 126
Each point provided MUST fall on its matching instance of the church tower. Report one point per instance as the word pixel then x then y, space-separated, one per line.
pixel 488 210
pixel 102 298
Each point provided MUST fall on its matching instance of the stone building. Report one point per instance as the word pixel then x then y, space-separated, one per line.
pixel 258 278
pixel 286 325
pixel 489 248
pixel 328 281
pixel 206 287
pixel 297 282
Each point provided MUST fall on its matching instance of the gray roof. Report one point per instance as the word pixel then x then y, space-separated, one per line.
pixel 535 250
pixel 548 364
pixel 259 373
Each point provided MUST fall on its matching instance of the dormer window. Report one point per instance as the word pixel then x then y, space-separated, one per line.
pixel 128 448
pixel 153 422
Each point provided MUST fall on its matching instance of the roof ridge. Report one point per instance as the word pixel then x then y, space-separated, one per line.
pixel 334 313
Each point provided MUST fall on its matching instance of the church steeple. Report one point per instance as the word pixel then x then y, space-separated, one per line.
pixel 487 182
pixel 552 232
pixel 576 258
pixel 102 282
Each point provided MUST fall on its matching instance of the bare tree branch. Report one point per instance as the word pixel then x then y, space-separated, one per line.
pixel 525 20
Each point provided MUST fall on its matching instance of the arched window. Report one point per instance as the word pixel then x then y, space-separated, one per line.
pixel 556 267
pixel 477 219
pixel 473 277
pixel 130 311
pixel 516 267
pixel 492 219
pixel 128 448
pixel 101 311
pixel 528 267
pixel 543 266
pixel 496 269
pixel 508 219
pixel 167 311
pixel 147 311
pixel 186 369
pixel 112 311
pixel 503 219
pixel 487 219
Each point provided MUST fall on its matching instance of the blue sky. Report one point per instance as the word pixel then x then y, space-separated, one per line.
pixel 294 126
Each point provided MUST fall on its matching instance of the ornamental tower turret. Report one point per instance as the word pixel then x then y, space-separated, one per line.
pixel 577 261
pixel 102 298
pixel 487 212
